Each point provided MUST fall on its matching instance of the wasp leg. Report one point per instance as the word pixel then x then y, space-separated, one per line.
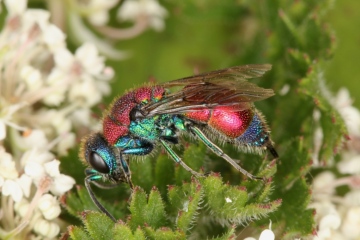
pixel 93 178
pixel 105 186
pixel 197 132
pixel 177 159
pixel 126 169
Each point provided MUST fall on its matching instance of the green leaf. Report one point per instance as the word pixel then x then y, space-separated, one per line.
pixel 185 201
pixel 122 231
pixel 194 157
pixel 230 234
pixel 150 212
pixel 98 225
pixel 231 203
pixel 142 172
pixel 164 172
pixel 291 185
pixel 78 201
pixel 77 233
pixel 332 125
pixel 164 234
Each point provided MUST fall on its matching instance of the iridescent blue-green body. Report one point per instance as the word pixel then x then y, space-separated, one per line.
pixel 215 106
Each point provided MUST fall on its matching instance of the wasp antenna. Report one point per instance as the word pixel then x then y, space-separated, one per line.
pixel 94 199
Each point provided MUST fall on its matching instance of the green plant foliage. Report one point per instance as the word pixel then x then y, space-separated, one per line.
pixel 147 211
pixel 167 202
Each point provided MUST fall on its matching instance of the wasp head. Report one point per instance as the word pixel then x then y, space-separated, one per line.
pixel 96 152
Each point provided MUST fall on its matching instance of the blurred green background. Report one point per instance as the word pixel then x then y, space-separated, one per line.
pixel 344 69
pixel 203 48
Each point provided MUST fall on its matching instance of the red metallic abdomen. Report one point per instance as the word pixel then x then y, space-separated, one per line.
pixel 117 120
pixel 224 119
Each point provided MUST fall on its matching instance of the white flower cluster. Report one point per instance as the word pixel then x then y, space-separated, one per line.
pixel 338 217
pixel 45 93
pixel 142 14
pixel 150 9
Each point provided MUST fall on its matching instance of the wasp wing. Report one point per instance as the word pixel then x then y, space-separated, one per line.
pixel 225 87
pixel 235 73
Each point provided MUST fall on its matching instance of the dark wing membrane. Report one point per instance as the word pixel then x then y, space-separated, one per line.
pixel 237 72
pixel 226 87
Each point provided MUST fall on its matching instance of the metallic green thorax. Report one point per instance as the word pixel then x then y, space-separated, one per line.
pixel 158 126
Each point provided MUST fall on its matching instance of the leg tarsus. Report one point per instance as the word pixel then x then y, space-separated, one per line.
pixel 272 150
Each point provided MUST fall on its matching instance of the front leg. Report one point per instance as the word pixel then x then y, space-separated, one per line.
pixel 134 146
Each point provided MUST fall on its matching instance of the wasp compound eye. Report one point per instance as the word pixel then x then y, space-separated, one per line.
pixel 96 161
pixel 98 154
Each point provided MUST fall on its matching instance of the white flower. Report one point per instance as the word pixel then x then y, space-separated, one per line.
pixel 36 155
pixel 53 37
pixel 15 7
pixel 81 117
pixel 352 198
pixel 59 121
pixel 49 206
pixel 25 184
pixel 37 78
pixel 12 188
pixel 38 17
pixel 82 34
pixel 85 61
pixel 67 141
pixel 131 10
pixel 22 207
pixel 7 165
pixel 34 139
pixel 46 228
pixel 64 60
pixel 350 163
pixel 34 170
pixel 60 183
pixel 323 185
pixel 32 77
pixel 350 114
pixel 55 78
pixel 85 92
pixel 2 130
pixel 100 11
pixel 327 217
pixel 350 228
pixel 90 60
pixel 86 66
pixel 52 168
